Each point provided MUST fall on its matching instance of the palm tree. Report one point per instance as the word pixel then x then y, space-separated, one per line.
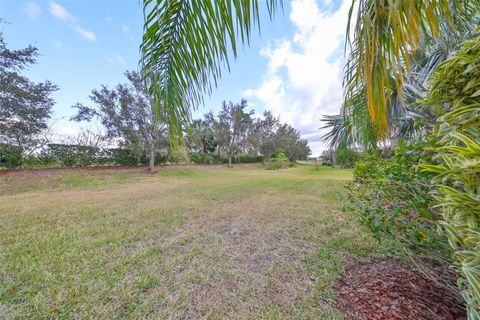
pixel 406 118
pixel 352 127
pixel 381 41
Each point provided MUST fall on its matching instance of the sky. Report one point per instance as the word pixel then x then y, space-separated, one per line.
pixel 293 67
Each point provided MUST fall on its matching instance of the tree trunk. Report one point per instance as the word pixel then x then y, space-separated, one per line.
pixel 230 160
pixel 151 163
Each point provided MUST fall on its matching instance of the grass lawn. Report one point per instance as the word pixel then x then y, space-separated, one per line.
pixel 185 243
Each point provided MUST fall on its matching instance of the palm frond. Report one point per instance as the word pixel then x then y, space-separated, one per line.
pixel 186 44
pixel 383 35
pixel 352 127
pixel 338 130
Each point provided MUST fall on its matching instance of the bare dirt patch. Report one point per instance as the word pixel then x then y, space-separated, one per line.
pixel 244 259
pixel 386 289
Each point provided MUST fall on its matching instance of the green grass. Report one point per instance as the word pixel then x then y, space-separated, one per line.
pixel 184 243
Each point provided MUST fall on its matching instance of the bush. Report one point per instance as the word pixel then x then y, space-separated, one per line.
pixel 10 156
pixel 161 158
pixel 125 157
pixel 393 200
pixel 31 161
pixel 45 159
pixel 280 161
pixel 248 159
pixel 273 165
pixel 327 163
pixel 204 158
pixel 179 154
pixel 72 155
pixel 105 157
pixel 347 157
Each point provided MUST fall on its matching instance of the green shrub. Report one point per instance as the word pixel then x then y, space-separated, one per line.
pixel 10 156
pixel 73 155
pixel 248 159
pixel 273 165
pixel 161 158
pixel 45 159
pixel 179 154
pixel 347 157
pixel 456 86
pixel 393 200
pixel 327 163
pixel 208 158
pixel 125 157
pixel 280 161
pixel 31 161
pixel 204 158
pixel 104 157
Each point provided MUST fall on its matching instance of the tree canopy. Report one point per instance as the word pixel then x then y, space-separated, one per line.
pixel 127 115
pixel 25 106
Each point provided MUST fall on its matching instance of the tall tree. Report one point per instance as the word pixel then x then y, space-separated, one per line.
pixel 126 113
pixel 289 139
pixel 200 137
pixel 263 133
pixel 232 127
pixel 25 106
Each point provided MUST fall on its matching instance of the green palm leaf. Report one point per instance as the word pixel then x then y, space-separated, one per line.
pixel 383 34
pixel 186 44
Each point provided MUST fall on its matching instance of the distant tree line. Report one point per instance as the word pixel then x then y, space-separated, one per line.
pixel 234 133
pixel 133 134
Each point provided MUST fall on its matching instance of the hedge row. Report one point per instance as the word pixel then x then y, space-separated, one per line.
pixel 73 156
pixel 80 156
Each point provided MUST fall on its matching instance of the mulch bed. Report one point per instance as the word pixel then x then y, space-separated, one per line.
pixel 386 289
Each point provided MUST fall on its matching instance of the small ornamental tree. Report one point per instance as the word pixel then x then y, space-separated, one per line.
pixel 126 113
pixel 200 137
pixel 232 127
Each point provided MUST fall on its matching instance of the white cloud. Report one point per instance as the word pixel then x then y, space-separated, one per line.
pixel 303 80
pixel 89 35
pixel 57 43
pixel 62 131
pixel 116 59
pixel 60 12
pixel 32 9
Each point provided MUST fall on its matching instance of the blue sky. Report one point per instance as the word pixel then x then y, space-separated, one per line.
pixel 293 68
